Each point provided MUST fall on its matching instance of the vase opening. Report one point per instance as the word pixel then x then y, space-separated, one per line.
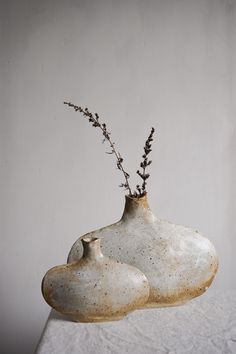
pixel 91 247
pixel 137 207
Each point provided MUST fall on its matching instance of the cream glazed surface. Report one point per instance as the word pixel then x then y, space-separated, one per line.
pixel 178 261
pixel 95 288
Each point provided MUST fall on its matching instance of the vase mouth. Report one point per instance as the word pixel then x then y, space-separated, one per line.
pixel 137 207
pixel 89 239
pixel 138 198
pixel 92 247
pixel 137 202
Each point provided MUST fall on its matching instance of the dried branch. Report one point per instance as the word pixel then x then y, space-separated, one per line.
pixel 94 119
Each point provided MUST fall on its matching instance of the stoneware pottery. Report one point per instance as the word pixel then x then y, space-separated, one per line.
pixel 179 263
pixel 95 288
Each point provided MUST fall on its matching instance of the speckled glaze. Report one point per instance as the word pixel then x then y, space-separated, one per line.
pixel 179 263
pixel 95 288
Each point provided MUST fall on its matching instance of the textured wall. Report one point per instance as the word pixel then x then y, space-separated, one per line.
pixel 166 63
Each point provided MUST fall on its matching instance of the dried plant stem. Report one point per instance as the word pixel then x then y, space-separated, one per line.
pixel 147 149
pixel 94 119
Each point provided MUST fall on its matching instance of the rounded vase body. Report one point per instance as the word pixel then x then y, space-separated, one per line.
pixel 178 262
pixel 95 288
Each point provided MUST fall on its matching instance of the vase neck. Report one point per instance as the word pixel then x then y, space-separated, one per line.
pixel 92 248
pixel 137 208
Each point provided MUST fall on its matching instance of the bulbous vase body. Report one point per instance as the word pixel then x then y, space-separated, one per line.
pixel 178 262
pixel 95 288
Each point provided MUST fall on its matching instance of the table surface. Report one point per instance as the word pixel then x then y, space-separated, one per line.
pixel 205 325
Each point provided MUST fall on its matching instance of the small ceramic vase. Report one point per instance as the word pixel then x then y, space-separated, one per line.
pixel 178 261
pixel 95 288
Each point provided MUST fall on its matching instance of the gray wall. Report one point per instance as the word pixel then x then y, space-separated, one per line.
pixel 164 63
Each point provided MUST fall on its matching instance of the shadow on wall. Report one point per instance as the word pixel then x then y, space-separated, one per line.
pixel 232 201
pixel 25 344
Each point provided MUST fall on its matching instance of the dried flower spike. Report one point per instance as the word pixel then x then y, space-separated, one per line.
pixel 94 119
pixel 141 191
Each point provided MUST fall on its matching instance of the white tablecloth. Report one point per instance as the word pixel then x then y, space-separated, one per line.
pixel 205 325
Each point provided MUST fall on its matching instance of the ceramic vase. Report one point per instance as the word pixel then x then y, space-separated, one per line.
pixel 178 261
pixel 95 288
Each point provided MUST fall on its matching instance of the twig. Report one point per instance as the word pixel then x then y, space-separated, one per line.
pixel 94 119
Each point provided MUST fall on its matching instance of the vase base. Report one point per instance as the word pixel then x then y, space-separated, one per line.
pixel 152 305
pixel 96 319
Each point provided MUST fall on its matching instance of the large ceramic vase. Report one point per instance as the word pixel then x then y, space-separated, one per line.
pixel 179 263
pixel 95 288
